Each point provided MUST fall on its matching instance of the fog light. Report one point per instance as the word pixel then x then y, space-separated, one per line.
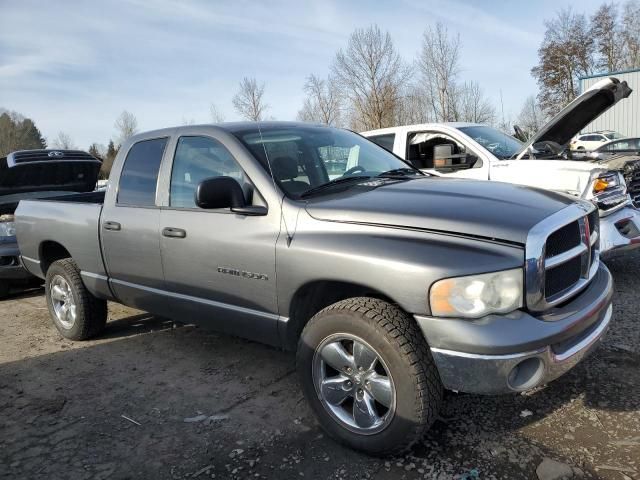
pixel 526 374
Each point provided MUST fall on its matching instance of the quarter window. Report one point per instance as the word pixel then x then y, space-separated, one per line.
pixel 139 176
pixel 196 159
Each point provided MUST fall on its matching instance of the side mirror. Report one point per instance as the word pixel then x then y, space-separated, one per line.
pixel 225 192
pixel 442 153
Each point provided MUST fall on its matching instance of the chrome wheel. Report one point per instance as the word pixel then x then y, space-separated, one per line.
pixel 64 305
pixel 354 384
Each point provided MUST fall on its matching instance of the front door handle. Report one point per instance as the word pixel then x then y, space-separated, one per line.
pixel 174 232
pixel 114 226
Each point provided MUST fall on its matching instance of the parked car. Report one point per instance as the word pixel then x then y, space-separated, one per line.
pixel 616 147
pixel 468 150
pixel 591 141
pixel 391 284
pixel 29 174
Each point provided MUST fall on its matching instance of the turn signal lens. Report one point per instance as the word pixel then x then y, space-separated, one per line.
pixel 600 185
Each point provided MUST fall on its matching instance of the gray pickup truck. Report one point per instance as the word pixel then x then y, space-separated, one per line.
pixel 390 283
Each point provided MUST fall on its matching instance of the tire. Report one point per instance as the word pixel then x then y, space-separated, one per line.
pixel 402 355
pixel 90 312
pixel 4 289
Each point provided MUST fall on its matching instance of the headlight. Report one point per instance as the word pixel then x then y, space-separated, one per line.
pixel 477 295
pixel 7 226
pixel 608 181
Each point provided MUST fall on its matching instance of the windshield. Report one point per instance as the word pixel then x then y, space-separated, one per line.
pixel 613 135
pixel 302 158
pixel 500 144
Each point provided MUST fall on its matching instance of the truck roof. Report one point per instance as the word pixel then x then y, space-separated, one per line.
pixel 421 126
pixel 231 127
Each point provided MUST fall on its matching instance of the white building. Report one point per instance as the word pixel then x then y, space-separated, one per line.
pixel 624 117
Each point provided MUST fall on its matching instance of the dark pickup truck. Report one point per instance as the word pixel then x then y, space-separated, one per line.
pixel 31 174
pixel 391 284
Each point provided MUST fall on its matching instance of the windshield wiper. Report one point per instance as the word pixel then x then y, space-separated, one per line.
pixel 400 172
pixel 331 183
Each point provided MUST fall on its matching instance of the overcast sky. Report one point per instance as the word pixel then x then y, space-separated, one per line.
pixel 73 66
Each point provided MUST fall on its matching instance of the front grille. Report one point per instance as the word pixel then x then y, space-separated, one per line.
pixel 562 277
pixel 633 186
pixel 562 256
pixel 26 156
pixel 564 239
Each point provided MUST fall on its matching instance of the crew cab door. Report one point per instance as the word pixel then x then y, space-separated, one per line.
pixel 219 266
pixel 129 231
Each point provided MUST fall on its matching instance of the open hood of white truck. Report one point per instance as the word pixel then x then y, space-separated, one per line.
pixel 580 112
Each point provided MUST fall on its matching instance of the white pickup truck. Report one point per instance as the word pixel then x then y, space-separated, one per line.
pixel 477 151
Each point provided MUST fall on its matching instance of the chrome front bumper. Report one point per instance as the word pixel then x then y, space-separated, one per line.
pixel 517 352
pixel 619 231
pixel 495 374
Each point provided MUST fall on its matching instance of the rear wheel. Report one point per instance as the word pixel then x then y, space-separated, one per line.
pixel 368 374
pixel 76 313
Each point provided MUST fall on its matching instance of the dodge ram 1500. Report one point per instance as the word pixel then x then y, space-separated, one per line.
pixel 391 284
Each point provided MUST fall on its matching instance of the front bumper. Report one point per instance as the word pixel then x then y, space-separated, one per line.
pixel 517 352
pixel 619 231
pixel 10 265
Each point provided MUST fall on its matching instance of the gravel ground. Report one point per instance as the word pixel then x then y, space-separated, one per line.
pixel 149 399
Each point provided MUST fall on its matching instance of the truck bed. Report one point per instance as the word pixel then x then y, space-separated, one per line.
pixel 69 223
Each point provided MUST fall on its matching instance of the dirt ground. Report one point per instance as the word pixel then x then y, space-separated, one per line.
pixel 150 399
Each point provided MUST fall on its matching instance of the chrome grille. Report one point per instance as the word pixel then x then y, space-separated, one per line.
pixel 562 256
pixel 633 187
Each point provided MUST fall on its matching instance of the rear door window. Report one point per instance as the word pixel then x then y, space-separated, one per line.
pixel 385 141
pixel 139 176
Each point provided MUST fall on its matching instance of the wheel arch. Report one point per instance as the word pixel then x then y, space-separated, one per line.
pixel 313 296
pixel 50 251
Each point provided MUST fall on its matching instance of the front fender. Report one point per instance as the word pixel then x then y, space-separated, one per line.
pixel 399 263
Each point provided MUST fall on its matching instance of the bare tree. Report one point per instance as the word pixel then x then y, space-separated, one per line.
pixel 371 76
pixel 566 54
pixel 216 115
pixel 126 126
pixel 531 117
pixel 322 103
pixel 606 32
pixel 439 65
pixel 631 34
pixel 414 107
pixel 63 142
pixel 471 105
pixel 248 102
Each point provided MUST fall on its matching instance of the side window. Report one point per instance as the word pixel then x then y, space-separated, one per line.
pixel 196 159
pixel 428 150
pixel 139 177
pixel 385 141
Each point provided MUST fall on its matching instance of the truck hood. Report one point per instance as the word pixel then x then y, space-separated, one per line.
pixel 474 208
pixel 581 112
pixel 29 171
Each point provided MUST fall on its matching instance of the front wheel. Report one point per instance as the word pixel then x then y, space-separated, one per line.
pixel 76 313
pixel 368 374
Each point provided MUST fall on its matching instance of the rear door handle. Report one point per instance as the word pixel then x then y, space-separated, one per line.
pixel 115 226
pixel 174 232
